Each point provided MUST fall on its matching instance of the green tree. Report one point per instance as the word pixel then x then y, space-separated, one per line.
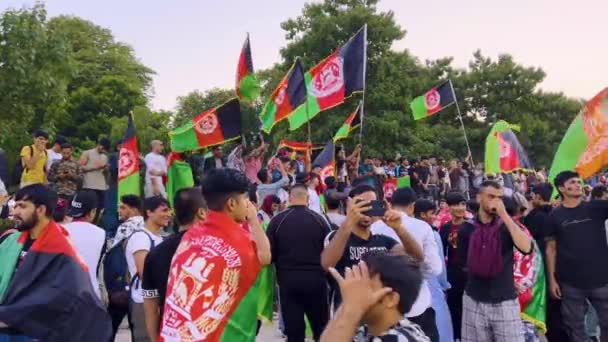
pixel 149 125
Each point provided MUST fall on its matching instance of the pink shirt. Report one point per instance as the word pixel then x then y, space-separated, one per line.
pixel 253 165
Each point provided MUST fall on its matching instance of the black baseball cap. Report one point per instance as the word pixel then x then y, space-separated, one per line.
pixel 82 204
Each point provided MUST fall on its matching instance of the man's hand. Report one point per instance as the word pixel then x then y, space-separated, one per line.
pixel 356 208
pixel 555 290
pixel 252 213
pixel 356 289
pixel 392 219
pixel 499 208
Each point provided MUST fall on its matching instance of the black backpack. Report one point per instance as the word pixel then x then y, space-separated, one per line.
pixel 116 276
pixel 19 168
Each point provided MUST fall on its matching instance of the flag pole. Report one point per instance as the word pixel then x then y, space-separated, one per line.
pixel 466 140
pixel 364 82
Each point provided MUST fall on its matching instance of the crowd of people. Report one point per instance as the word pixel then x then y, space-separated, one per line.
pixel 458 255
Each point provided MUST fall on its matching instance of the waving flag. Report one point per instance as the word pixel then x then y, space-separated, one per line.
pixel 51 297
pixel 247 85
pixel 504 153
pixel 128 164
pixel 390 185
pixel 352 122
pixel 326 161
pixel 433 101
pixel 334 79
pixel 179 175
pixel 584 148
pixel 212 127
pixel 287 97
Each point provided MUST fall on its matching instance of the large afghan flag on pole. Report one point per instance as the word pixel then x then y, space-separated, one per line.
pixel 179 175
pixel 504 153
pixel 287 97
pixel 212 127
pixel 352 122
pixel 584 148
pixel 247 85
pixel 334 79
pixel 433 101
pixel 128 163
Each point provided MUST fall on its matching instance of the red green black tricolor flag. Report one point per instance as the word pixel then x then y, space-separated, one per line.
pixel 247 85
pixel 179 175
pixel 433 100
pixel 128 163
pixel 326 161
pixel 212 127
pixel 288 96
pixel 334 79
pixel 353 121
pixel 51 297
pixel 504 153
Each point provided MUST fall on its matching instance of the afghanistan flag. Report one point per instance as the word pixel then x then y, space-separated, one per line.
pixel 433 100
pixel 504 153
pixel 128 164
pixel 51 297
pixel 584 148
pixel 353 121
pixel 334 79
pixel 179 175
pixel 212 127
pixel 326 161
pixel 534 307
pixel 286 98
pixel 247 85
pixel 390 185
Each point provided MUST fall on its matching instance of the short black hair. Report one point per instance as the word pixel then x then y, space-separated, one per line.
pixel 186 204
pixel 404 197
pixel 132 201
pixel 153 203
pixel 39 195
pixel 40 133
pixel 216 147
pixel 330 182
pixel 221 184
pixel 490 184
pixel 361 189
pixel 105 143
pixel 563 177
pixel 422 206
pixel 60 140
pixel 263 175
pixel 544 190
pixel 598 191
pixel 406 282
pixel 332 203
pixel 66 145
pixel 454 198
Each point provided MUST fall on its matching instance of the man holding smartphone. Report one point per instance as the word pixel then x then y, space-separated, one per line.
pixel 345 246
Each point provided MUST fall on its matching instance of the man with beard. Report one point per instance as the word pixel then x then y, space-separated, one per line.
pixel 45 290
pixel 345 247
pixel 576 253
pixel 491 311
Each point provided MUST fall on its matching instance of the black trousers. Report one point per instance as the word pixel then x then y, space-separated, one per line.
pixel 427 323
pixel 303 293
pixel 454 298
pixel 117 313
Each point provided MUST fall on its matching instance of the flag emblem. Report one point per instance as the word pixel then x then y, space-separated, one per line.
pixel 127 163
pixel 389 189
pixel 280 96
pixel 330 79
pixel 432 99
pixel 207 124
pixel 327 171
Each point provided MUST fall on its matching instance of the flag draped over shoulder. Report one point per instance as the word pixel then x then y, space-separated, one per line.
pixel 51 298
pixel 179 175
pixel 212 127
pixel 584 148
pixel 334 79
pixel 433 101
pixel 247 85
pixel 352 122
pixel 504 153
pixel 390 185
pixel 128 163
pixel 287 98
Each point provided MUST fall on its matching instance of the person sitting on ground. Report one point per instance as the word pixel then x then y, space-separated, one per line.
pixel 379 297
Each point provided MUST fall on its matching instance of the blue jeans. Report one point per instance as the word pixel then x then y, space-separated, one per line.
pixel 575 303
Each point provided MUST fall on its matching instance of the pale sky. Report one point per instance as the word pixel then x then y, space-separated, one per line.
pixel 194 44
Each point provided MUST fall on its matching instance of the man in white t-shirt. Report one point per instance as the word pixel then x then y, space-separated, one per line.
pixel 421 312
pixel 156 216
pixel 156 169
pixel 314 201
pixel 54 153
pixel 88 238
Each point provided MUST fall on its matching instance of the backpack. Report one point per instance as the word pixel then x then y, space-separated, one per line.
pixel 484 258
pixel 20 168
pixel 116 276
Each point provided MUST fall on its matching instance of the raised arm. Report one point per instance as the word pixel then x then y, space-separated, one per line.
pixel 261 240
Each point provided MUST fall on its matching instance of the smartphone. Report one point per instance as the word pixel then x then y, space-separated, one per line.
pixel 377 209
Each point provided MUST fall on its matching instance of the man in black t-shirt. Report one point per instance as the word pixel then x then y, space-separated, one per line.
pixel 190 208
pixel 491 311
pixel 345 247
pixel 577 250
